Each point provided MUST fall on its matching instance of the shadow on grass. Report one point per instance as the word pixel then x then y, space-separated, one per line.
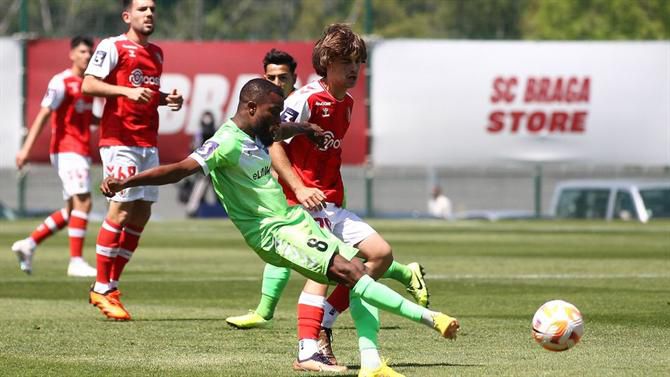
pixel 395 327
pixel 420 365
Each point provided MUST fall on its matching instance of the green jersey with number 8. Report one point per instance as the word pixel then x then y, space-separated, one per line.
pixel 282 235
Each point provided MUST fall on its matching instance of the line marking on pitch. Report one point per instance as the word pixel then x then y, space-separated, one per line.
pixel 167 279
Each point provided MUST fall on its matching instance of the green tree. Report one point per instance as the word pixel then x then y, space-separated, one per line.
pixel 597 19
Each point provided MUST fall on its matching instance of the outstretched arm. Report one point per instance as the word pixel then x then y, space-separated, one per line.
pixel 287 130
pixel 35 129
pixel 158 176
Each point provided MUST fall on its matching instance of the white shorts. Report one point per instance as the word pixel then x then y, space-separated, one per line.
pixel 122 162
pixel 73 170
pixel 343 223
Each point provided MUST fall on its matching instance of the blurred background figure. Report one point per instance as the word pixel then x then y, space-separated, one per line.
pixel 197 192
pixel 206 130
pixel 71 118
pixel 439 205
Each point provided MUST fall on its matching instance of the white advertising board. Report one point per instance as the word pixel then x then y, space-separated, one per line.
pixel 444 103
pixel 10 101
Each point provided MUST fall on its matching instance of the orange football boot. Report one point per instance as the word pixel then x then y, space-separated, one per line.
pixel 116 295
pixel 109 304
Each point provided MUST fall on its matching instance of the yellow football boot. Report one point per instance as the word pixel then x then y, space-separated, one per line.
pixel 250 320
pixel 383 371
pixel 417 286
pixel 445 325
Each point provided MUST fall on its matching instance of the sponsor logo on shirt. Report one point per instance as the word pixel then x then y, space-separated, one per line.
pixel 137 78
pixel 207 149
pixel 80 106
pixel 262 172
pixel 323 103
pixel 99 58
pixel 289 115
pixel 74 87
pixel 330 141
pixel 131 50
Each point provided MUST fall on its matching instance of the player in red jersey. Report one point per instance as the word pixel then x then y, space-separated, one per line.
pixel 126 69
pixel 71 118
pixel 310 176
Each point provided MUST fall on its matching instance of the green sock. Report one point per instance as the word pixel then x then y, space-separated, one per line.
pixel 383 297
pixel 366 320
pixel 274 281
pixel 398 272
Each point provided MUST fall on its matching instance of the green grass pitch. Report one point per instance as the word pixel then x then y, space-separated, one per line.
pixel 187 276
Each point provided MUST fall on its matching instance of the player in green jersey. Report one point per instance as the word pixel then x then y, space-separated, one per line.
pixel 237 160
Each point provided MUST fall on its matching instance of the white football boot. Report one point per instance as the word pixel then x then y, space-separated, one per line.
pixel 24 250
pixel 79 268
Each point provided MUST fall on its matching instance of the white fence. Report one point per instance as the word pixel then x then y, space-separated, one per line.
pixel 10 100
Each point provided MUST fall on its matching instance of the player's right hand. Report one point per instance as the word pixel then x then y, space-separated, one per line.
pixel 21 159
pixel 311 198
pixel 110 186
pixel 139 95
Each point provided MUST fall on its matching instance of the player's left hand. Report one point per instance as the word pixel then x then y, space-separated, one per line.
pixel 315 134
pixel 174 100
pixel 110 186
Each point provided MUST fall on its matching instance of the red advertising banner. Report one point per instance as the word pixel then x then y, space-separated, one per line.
pixel 209 75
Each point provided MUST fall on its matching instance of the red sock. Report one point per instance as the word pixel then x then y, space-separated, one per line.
pixel 130 238
pixel 106 249
pixel 77 232
pixel 310 314
pixel 51 225
pixel 339 298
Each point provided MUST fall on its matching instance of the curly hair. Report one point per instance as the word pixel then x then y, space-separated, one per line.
pixel 338 40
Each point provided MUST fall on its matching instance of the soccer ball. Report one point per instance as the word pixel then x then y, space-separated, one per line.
pixel 557 325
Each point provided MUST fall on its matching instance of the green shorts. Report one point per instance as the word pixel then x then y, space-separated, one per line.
pixel 302 245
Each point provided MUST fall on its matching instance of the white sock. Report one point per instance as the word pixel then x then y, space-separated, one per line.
pixel 307 348
pixel 427 318
pixel 113 284
pixel 32 243
pixel 76 259
pixel 329 315
pixel 370 359
pixel 100 287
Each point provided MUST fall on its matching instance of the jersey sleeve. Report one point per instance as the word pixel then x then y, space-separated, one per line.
pixel 217 152
pixel 104 59
pixel 296 109
pixel 55 93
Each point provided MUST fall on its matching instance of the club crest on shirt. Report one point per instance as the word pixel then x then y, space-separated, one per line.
pixel 207 149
